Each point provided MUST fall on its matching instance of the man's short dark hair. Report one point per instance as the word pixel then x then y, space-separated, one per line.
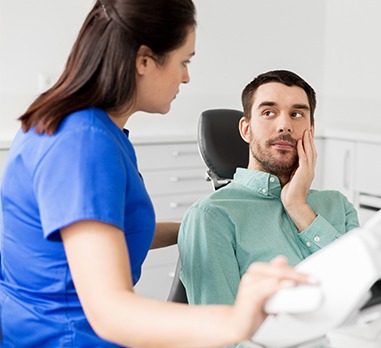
pixel 285 77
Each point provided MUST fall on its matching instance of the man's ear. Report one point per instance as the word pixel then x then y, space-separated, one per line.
pixel 143 59
pixel 244 129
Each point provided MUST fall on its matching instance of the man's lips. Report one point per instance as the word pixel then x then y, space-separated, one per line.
pixel 283 145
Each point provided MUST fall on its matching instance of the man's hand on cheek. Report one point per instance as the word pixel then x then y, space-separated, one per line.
pixel 294 193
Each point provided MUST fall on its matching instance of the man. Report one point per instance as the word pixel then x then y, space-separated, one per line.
pixel 269 208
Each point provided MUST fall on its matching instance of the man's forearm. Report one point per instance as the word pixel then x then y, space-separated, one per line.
pixel 302 215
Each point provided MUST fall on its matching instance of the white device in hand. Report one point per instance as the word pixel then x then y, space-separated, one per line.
pixel 346 270
pixel 296 300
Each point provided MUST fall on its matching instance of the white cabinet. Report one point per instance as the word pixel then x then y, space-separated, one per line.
pixel 368 168
pixel 317 183
pixel 351 165
pixel 339 167
pixel 174 175
pixel 368 183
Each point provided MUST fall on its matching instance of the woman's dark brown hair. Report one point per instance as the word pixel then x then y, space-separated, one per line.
pixel 100 71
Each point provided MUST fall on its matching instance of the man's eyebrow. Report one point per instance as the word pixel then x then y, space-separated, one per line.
pixel 301 106
pixel 267 103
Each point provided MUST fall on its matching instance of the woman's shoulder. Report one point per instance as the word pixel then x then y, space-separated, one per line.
pixel 89 119
pixel 91 125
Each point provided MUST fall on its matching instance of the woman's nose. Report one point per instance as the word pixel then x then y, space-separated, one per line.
pixel 186 77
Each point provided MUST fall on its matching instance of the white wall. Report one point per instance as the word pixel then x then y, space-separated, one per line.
pixel 237 40
pixel 332 44
pixel 35 37
pixel 352 65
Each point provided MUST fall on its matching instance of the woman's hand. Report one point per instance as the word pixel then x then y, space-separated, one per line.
pixel 258 284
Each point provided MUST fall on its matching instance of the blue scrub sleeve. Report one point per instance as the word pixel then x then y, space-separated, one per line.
pixel 81 177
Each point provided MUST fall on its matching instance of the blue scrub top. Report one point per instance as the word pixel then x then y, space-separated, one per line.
pixel 87 170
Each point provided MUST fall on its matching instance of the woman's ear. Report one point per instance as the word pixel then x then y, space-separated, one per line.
pixel 143 59
pixel 244 129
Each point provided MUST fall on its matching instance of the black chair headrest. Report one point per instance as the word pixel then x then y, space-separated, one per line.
pixel 220 143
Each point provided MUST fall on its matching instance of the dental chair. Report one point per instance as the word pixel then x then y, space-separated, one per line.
pixel 222 150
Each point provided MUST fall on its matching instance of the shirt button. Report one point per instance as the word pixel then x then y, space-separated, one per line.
pixel 308 244
pixel 272 179
pixel 264 190
pixel 317 239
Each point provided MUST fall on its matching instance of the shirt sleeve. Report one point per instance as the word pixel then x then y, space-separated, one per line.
pixel 331 223
pixel 209 270
pixel 81 177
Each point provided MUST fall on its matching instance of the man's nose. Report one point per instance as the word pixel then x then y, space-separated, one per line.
pixel 284 124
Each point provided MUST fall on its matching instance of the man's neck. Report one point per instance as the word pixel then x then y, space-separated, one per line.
pixel 284 178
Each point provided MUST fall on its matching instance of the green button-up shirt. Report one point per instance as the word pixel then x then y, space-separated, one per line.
pixel 245 221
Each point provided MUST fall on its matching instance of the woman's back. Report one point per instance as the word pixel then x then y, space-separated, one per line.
pixel 44 188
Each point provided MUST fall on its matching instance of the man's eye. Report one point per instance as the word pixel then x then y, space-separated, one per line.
pixel 296 114
pixel 269 113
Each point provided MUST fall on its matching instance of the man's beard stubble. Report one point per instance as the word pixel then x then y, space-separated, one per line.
pixel 274 166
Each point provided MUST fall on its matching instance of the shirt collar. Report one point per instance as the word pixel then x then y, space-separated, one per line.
pixel 264 183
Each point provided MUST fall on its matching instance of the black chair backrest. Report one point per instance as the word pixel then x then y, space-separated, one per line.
pixel 220 143
pixel 177 292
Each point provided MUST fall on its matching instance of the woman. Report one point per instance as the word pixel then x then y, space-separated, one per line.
pixel 78 221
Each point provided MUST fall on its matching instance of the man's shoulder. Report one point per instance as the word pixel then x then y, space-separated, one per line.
pixel 224 194
pixel 223 201
pixel 325 192
pixel 326 195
